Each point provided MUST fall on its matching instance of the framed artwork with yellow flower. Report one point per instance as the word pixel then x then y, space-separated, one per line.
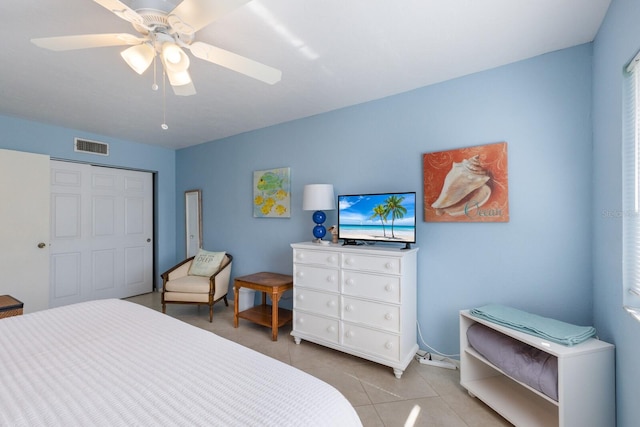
pixel 272 193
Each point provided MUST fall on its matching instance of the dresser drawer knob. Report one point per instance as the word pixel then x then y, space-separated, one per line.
pixel 331 259
pixel 331 279
pixel 331 329
pixel 349 281
pixel 300 297
pixel 389 287
pixel 349 334
pixel 388 316
pixel 349 261
pixel 388 345
pixel 300 255
pixel 331 304
pixel 349 307
pixel 300 274
pixel 301 320
pixel 388 265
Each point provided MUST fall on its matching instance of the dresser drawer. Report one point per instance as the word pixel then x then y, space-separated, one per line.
pixel 318 326
pixel 371 313
pixel 329 259
pixel 316 277
pixel 378 264
pixel 379 287
pixel 382 344
pixel 317 302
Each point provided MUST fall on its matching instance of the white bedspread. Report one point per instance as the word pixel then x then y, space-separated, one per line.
pixel 112 362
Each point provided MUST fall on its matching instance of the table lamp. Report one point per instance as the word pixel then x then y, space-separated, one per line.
pixel 318 198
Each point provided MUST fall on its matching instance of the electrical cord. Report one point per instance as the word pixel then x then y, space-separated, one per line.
pixel 433 350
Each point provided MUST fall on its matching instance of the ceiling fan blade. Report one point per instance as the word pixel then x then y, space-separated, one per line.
pixel 197 14
pixel 184 90
pixel 180 81
pixel 121 10
pixel 86 41
pixel 235 62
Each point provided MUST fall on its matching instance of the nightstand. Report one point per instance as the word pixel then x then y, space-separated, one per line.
pixel 272 284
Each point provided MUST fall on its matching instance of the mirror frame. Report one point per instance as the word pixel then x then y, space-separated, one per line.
pixel 192 202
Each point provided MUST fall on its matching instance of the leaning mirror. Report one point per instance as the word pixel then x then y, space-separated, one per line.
pixel 193 221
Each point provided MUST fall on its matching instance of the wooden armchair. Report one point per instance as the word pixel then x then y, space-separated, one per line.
pixel 178 287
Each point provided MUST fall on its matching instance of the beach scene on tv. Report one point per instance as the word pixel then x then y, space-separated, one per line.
pixel 381 217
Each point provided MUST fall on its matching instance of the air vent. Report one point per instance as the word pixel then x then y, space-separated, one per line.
pixel 94 147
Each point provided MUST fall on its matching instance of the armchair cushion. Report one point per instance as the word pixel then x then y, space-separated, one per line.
pixel 189 284
pixel 206 263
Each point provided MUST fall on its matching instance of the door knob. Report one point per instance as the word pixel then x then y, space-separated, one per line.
pixel 41 245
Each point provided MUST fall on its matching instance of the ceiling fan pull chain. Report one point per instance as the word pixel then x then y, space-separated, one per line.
pixel 164 125
pixel 154 86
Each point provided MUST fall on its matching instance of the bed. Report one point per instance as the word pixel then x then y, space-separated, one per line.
pixel 113 362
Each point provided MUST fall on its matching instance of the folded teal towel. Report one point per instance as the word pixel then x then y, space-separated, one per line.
pixel 544 327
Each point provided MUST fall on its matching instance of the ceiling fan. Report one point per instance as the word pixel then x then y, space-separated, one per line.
pixel 166 28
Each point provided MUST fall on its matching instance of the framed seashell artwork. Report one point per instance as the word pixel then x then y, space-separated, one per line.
pixel 467 184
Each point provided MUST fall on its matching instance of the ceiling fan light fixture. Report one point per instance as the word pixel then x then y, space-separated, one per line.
pixel 175 58
pixel 138 57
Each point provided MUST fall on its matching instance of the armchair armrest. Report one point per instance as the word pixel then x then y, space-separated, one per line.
pixel 179 270
pixel 221 279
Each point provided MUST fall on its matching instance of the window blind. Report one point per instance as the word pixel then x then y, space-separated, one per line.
pixel 631 190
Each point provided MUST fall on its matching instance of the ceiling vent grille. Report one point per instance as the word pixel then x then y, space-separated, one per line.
pixel 93 147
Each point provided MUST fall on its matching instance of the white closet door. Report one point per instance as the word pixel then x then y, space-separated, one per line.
pixel 101 233
pixel 24 234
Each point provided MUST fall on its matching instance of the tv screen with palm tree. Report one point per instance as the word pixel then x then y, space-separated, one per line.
pixel 383 217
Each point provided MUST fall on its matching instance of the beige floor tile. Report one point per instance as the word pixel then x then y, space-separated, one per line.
pixel 473 411
pixel 345 381
pixel 382 386
pixel 369 416
pixel 429 412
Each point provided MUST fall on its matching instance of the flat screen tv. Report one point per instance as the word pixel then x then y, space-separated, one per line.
pixel 381 217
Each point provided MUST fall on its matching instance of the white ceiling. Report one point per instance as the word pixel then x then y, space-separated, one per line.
pixel 332 53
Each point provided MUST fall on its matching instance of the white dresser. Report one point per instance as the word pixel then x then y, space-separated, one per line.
pixel 357 299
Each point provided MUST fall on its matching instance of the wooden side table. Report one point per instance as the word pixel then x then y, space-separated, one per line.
pixel 9 306
pixel 275 285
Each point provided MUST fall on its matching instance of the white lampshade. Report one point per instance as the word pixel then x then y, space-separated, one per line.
pixel 175 59
pixel 138 57
pixel 318 197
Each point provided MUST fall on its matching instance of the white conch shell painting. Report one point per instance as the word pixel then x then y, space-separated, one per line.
pixel 469 184
pixel 465 185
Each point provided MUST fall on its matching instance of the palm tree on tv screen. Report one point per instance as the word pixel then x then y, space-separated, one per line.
pixel 393 205
pixel 380 211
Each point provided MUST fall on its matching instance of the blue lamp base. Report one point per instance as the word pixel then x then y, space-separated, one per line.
pixel 319 231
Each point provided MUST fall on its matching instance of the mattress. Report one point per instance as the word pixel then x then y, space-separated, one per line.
pixel 113 362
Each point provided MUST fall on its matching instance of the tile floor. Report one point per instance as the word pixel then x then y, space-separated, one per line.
pixel 378 397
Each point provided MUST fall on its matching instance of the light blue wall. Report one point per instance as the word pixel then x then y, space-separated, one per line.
pixel 617 42
pixel 57 142
pixel 539 261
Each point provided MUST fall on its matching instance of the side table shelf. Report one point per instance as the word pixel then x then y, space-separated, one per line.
pixel 262 315
pixel 9 306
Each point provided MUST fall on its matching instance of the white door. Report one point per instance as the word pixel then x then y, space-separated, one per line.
pixel 24 230
pixel 101 233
